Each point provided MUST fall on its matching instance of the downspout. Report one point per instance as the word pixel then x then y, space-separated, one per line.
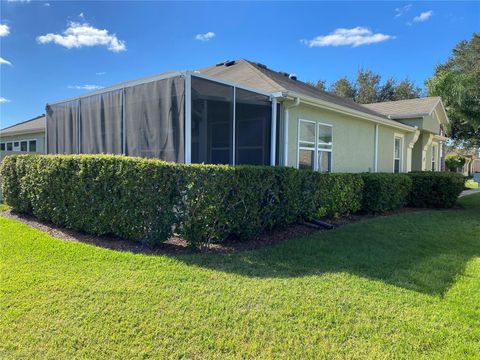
pixel 285 130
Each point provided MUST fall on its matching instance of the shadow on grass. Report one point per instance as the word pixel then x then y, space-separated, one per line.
pixel 420 251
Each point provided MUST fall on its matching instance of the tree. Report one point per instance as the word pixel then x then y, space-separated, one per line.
pixel 343 87
pixel 406 89
pixel 387 91
pixel 458 83
pixel 454 162
pixel 320 85
pixel 368 84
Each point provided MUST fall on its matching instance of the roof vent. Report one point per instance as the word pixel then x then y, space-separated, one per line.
pixel 229 63
pixel 283 73
pixel 292 76
pixel 263 66
pixel 220 63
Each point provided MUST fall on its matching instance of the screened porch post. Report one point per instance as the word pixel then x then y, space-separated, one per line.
pixel 188 118
pixel 273 132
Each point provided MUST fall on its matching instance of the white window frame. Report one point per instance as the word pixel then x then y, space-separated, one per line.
pixel 315 148
pixel 400 166
pixel 434 160
pixel 18 148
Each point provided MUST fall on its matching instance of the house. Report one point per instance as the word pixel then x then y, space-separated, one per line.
pixel 472 161
pixel 242 112
pixel 25 137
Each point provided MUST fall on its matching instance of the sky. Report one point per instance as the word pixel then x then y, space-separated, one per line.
pixel 53 50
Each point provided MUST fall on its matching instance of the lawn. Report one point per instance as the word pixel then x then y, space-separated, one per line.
pixel 471 184
pixel 400 286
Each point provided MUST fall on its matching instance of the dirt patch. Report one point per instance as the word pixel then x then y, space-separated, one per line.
pixel 177 246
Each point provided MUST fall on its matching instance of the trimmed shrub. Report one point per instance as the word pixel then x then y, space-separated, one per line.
pixel 384 191
pixel 148 199
pixel 435 189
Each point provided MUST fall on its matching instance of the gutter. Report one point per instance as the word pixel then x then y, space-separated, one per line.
pixel 338 108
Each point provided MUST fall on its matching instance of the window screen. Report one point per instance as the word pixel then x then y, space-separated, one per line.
pixel 23 146
pixel 101 123
pixel 212 122
pixel 9 146
pixel 154 119
pixel 62 127
pixel 253 119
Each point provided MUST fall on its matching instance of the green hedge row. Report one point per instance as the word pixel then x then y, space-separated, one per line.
pixel 149 200
pixel 435 190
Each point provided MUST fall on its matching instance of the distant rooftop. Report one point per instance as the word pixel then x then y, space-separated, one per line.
pixel 32 125
pixel 406 108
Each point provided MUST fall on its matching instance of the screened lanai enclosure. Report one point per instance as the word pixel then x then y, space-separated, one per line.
pixel 179 117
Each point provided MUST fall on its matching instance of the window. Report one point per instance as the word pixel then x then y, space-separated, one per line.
pixel 397 155
pixel 434 157
pixel 23 146
pixel 16 146
pixel 9 146
pixel 2 146
pixel 314 146
pixel 32 146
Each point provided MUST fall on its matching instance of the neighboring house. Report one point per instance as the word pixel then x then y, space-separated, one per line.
pixel 25 137
pixel 472 161
pixel 241 112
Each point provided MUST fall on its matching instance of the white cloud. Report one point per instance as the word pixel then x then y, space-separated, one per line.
pixel 3 100
pixel 205 37
pixel 402 10
pixel 5 62
pixel 78 35
pixel 46 4
pixel 81 15
pixel 344 37
pixel 85 87
pixel 424 16
pixel 4 30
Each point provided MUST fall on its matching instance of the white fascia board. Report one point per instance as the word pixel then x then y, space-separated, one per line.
pixel 342 109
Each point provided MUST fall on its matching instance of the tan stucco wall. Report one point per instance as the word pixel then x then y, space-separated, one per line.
pixel 353 140
pixel 422 153
pixel 39 136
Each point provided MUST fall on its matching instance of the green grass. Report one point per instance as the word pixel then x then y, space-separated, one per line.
pixel 4 207
pixel 471 184
pixel 402 286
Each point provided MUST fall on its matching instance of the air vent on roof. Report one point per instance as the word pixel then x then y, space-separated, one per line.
pixel 229 63
pixel 262 66
pixel 284 73
pixel 220 63
pixel 292 76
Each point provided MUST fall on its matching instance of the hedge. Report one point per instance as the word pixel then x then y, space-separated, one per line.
pixel 435 189
pixel 149 200
pixel 385 191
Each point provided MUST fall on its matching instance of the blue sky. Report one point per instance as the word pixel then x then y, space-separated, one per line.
pixel 51 50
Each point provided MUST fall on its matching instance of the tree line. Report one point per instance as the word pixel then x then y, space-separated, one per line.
pixel 457 82
pixel 368 88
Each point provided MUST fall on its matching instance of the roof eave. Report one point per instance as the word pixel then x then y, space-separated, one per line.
pixel 21 132
pixel 330 106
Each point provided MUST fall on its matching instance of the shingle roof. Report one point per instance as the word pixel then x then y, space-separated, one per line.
pixel 258 76
pixel 37 123
pixel 405 108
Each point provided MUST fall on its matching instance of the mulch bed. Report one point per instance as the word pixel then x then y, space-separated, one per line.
pixel 178 246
